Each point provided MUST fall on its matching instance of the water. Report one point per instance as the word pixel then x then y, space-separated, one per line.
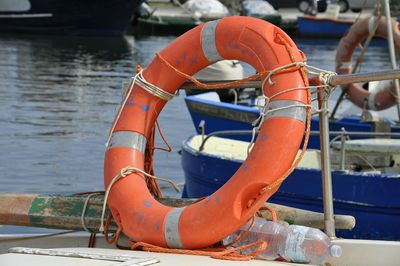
pixel 59 97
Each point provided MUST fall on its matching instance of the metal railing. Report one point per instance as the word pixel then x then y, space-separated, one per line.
pixel 342 134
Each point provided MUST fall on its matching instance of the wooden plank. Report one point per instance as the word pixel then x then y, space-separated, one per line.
pixel 64 212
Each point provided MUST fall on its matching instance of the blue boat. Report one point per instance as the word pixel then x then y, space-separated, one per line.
pixel 371 196
pixel 219 116
pixel 322 27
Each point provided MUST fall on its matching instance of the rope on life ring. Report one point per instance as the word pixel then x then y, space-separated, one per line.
pixel 281 131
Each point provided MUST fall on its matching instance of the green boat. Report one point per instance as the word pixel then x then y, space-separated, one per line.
pixel 171 19
pixel 175 19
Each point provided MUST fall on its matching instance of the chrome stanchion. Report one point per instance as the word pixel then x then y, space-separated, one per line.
pixel 326 165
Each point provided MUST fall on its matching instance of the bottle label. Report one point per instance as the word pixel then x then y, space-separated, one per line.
pixel 293 250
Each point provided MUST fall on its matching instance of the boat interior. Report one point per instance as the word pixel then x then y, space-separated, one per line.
pixel 370 155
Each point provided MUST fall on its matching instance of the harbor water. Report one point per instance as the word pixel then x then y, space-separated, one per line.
pixel 59 97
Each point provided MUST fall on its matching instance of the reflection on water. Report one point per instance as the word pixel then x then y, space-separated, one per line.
pixel 58 99
pixel 59 96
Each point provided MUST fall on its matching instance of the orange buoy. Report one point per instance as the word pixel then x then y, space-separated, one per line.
pixel 256 42
pixel 358 32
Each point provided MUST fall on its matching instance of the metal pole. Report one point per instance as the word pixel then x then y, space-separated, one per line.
pixel 334 81
pixel 392 52
pixel 357 134
pixel 202 129
pixel 326 166
pixel 364 77
pixel 342 150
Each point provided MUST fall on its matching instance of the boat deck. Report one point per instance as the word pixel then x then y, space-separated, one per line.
pixel 355 252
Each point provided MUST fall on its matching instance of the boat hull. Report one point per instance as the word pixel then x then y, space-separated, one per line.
pixel 89 17
pixel 322 27
pixel 371 198
pixel 168 25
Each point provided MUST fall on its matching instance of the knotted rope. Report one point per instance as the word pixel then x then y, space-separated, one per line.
pixel 126 171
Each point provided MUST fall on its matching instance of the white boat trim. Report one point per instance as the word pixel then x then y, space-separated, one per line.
pixel 15 5
pixel 128 258
pixel 39 15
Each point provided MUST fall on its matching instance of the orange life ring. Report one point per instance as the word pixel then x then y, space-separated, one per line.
pixel 205 222
pixel 358 32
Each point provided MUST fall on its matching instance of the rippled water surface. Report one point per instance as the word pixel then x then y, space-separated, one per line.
pixel 59 96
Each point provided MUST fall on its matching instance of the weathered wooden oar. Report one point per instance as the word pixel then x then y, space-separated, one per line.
pixel 64 212
pixel 333 81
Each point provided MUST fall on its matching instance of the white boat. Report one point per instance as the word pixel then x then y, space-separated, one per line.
pixel 71 249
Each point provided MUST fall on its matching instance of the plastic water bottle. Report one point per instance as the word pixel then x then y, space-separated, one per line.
pixel 272 232
pixel 308 245
pixel 294 243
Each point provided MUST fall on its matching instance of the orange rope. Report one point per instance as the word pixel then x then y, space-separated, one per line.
pixel 289 50
pixel 152 184
pixel 149 156
pixel 314 81
pixel 169 148
pixel 138 68
pixel 307 133
pixel 274 217
pixel 226 84
pixel 216 253
pixel 242 235
pixel 116 234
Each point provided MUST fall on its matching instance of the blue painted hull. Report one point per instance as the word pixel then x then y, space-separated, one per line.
pixel 371 198
pixel 311 26
pixel 225 116
pixel 83 17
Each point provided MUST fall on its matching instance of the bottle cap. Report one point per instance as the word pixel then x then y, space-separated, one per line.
pixel 335 251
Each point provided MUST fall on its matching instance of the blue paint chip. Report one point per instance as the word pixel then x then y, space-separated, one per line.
pixel 145 107
pixel 131 100
pixel 264 137
pixel 177 62
pixel 193 61
pixel 157 227
pixel 216 199
pixel 208 199
pixel 184 55
pixel 139 218
pixel 130 103
pixel 147 204
pixel 245 168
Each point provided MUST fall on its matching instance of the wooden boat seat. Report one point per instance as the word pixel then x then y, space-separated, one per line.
pixel 237 150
